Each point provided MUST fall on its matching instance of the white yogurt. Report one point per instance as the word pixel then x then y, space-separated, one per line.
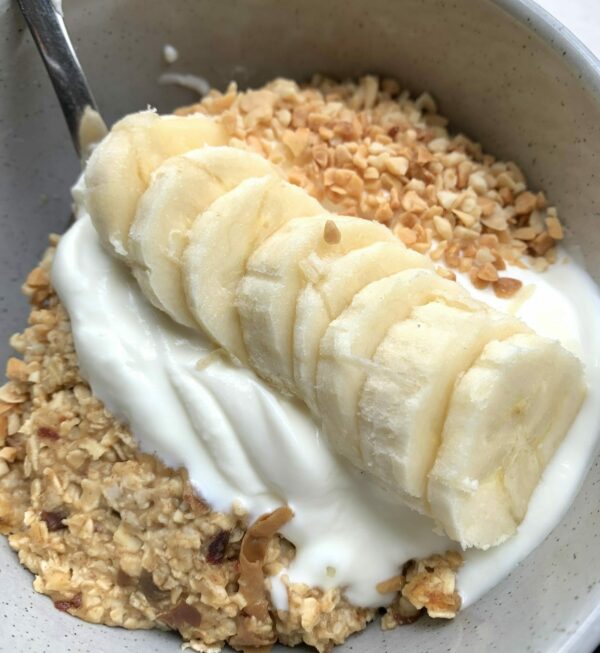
pixel 242 441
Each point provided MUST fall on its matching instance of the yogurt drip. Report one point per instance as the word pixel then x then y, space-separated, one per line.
pixel 241 441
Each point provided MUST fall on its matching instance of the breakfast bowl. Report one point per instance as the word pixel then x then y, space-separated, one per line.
pixel 504 72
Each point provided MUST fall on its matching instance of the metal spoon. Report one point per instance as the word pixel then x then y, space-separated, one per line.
pixel 48 30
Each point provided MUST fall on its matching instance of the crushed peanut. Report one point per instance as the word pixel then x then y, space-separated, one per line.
pixel 367 149
pixel 507 287
pixel 331 233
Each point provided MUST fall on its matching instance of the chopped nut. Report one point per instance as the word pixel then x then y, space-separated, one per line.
pixel 446 274
pixel 506 287
pixel 326 134
pixel 448 199
pixel 297 140
pixel 476 280
pixel 525 233
pixel 487 273
pixel 465 234
pixel 320 154
pixel 331 234
pixel 443 227
pixel 355 185
pixel 525 203
pixel 466 263
pixel 489 241
pixel 284 117
pixel 438 144
pixel 506 195
pixel 542 243
pixel 498 261
pixel 487 206
pixel 406 235
pixel 541 202
pixel 555 229
pixel 412 202
pixel 396 165
pixel 484 255
pixel 452 255
pixel 342 156
pixel 371 173
pixel 466 218
pixel 496 221
pixel 384 213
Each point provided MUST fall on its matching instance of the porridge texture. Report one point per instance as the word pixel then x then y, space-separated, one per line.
pixel 115 537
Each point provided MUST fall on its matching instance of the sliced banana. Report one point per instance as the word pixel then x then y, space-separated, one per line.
pixel 408 386
pixel 222 240
pixel 351 340
pixel 180 189
pixel 333 282
pixel 506 417
pixel 266 296
pixel 119 169
pixel 457 408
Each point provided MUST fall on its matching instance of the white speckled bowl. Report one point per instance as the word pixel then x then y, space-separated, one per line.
pixel 504 71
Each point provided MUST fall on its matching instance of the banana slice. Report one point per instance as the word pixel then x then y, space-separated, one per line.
pixel 266 296
pixel 180 189
pixel 222 240
pixel 407 390
pixel 333 282
pixel 506 418
pixel 119 169
pixel 351 340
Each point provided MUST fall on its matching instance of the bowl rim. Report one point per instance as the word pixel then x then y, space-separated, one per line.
pixel 585 65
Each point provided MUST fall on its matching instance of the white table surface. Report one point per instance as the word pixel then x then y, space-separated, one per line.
pixel 582 17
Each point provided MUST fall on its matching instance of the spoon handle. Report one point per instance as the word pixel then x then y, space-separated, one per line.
pixel 46 25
